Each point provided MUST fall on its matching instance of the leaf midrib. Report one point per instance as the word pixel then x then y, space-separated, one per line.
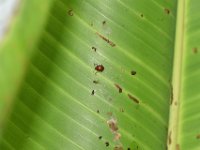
pixel 173 131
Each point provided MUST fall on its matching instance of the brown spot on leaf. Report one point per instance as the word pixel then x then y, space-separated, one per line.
pixel 133 72
pixel 117 136
pixel 171 94
pixel 195 50
pixel 141 15
pixel 109 114
pixel 70 12
pixel 167 11
pixel 119 88
pixel 98 111
pixel 169 138
pixel 119 147
pixel 128 148
pixel 92 92
pixel 107 144
pixel 106 39
pixel 177 147
pixel 134 99
pixel 104 22
pixel 100 137
pixel 112 123
pixel 198 136
pixel 94 48
pixel 95 82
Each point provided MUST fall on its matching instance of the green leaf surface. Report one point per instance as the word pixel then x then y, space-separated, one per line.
pixel 146 98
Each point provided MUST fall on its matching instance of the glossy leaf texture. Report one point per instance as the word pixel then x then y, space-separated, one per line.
pixel 65 102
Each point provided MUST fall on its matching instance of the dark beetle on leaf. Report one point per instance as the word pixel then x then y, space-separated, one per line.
pixel 99 68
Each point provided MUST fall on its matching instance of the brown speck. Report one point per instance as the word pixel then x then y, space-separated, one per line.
pixel 171 94
pixel 70 12
pixel 118 148
pixel 195 50
pixel 121 109
pixel 109 113
pixel 95 82
pixel 92 92
pixel 94 48
pixel 117 136
pixel 100 137
pixel 99 68
pixel 119 88
pixel 198 136
pixel 128 148
pixel 107 144
pixel 133 72
pixel 167 11
pixel 169 138
pixel 106 39
pixel 141 15
pixel 177 147
pixel 104 22
pixel 112 123
pixel 98 111
pixel 134 99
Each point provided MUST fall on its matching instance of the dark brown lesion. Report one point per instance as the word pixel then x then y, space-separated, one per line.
pixel 106 39
pixel 94 48
pixel 195 50
pixel 171 94
pixel 167 11
pixel 119 88
pixel 169 138
pixel 134 99
pixel 70 12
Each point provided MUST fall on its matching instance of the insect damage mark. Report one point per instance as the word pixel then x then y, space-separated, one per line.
pixel 70 12
pixel 119 88
pixel 133 98
pixel 106 39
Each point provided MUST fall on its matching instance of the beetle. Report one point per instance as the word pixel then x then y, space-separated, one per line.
pixel 99 68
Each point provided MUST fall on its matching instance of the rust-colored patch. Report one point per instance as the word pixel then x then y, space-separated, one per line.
pixel 198 136
pixel 169 138
pixel 177 147
pixel 167 11
pixel 106 39
pixel 70 12
pixel 112 123
pixel 134 99
pixel 195 50
pixel 119 88
pixel 119 147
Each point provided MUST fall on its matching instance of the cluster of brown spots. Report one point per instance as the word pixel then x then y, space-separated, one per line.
pixel 112 123
pixel 94 48
pixel 195 50
pixel 133 98
pixel 198 136
pixel 70 12
pixel 133 72
pixel 167 11
pixel 99 68
pixel 119 88
pixel 118 147
pixel 106 39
